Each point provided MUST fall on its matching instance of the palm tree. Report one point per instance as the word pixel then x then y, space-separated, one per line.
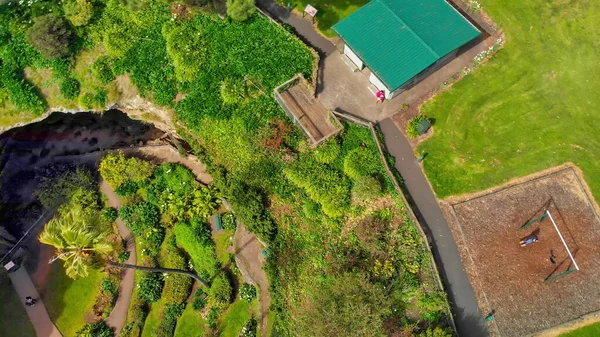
pixel 78 236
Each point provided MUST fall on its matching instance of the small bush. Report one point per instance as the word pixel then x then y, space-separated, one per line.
pixel 212 317
pixel 247 292
pixel 199 246
pixel 102 70
pixel 86 101
pixel 129 188
pixel 143 220
pixel 177 287
pixel 123 256
pixel 69 88
pixel 78 12
pixel 366 188
pixel 150 287
pixel 328 152
pixel 240 10
pixel 249 329
pixel 108 286
pixel 110 214
pixel 436 332
pixel 361 162
pixel 100 98
pixel 199 300
pixel 96 329
pixel 412 128
pixel 233 91
pixel 228 220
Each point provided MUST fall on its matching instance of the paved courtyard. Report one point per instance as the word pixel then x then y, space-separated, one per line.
pixel 346 91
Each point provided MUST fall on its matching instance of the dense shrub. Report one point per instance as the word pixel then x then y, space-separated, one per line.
pixel 143 220
pixel 100 98
pixel 55 191
pixel 50 35
pixel 102 70
pixel 166 328
pixel 108 286
pixel 322 183
pixel 78 12
pixel 96 329
pixel 366 188
pixel 199 300
pixel 110 214
pixel 199 246
pixel 21 93
pixel 69 88
pixel 220 291
pixel 233 90
pixel 118 170
pixel 177 287
pixel 187 48
pixel 361 162
pixel 247 292
pixel 150 287
pixel 240 10
pixel 249 204
pixel 123 256
pixel 412 128
pixel 327 152
pixel 212 317
pixel 86 101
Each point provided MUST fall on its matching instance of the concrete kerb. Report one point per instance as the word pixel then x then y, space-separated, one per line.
pixel 411 214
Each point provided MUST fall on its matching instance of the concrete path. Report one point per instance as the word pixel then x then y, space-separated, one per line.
pixel 468 318
pixel 303 26
pixel 118 315
pixel 38 315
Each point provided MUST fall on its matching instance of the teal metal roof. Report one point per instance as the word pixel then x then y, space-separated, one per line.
pixel 397 39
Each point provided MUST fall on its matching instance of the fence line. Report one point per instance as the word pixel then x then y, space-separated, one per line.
pixel 26 234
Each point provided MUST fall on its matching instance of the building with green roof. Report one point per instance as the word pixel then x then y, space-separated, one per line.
pixel 403 41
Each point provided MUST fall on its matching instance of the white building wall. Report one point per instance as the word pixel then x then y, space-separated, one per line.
pixel 379 85
pixel 352 56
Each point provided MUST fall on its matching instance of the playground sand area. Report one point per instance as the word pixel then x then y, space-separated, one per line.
pixel 509 280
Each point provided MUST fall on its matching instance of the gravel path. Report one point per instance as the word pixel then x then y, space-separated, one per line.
pixel 250 262
pixel 118 315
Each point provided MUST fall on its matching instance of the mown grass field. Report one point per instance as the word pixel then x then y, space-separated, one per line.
pixel 68 300
pixel 532 106
pixel 587 331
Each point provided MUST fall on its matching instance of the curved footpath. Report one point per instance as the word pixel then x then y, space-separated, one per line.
pixel 468 318
pixel 118 315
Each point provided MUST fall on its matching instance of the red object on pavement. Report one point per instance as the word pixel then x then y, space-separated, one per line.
pixel 381 95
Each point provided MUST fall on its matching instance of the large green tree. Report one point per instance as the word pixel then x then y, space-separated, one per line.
pixel 50 35
pixel 78 235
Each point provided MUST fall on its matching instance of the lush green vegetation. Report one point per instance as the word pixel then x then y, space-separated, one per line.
pixel 234 319
pixel 68 300
pixel 587 331
pixel 13 318
pixel 522 111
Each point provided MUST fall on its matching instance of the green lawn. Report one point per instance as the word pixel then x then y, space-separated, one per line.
pixel 13 318
pixel 329 12
pixel 68 300
pixel 153 319
pixel 587 331
pixel 231 322
pixel 190 324
pixel 533 106
pixel 222 242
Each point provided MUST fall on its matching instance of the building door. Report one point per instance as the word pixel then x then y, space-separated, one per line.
pixel 353 57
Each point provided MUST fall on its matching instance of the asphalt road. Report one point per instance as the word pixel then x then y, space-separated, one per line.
pixel 468 318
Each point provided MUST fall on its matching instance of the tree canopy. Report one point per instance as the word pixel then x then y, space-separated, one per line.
pixel 240 10
pixel 78 12
pixel 50 35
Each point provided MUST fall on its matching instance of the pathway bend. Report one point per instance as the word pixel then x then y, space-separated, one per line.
pixel 468 318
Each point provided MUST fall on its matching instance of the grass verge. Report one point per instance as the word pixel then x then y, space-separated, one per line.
pixel 592 330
